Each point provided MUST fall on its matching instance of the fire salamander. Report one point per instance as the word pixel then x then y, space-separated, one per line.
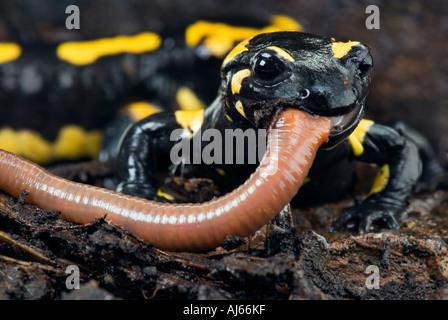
pixel 57 98
pixel 273 71
pixel 69 91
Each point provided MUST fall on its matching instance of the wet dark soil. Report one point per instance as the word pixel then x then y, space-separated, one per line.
pixel 38 250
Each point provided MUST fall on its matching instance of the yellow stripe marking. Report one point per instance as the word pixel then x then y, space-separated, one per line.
pixel 140 109
pixel 165 195
pixel 381 179
pixel 221 172
pixel 187 100
pixel 340 49
pixel 190 119
pixel 357 137
pixel 237 80
pixel 25 143
pixel 239 48
pixel 219 38
pixel 239 107
pixel 282 53
pixel 87 52
pixel 73 142
pixel 9 52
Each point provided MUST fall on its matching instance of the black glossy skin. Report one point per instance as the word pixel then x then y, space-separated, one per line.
pixel 316 82
pixel 91 94
pixel 57 93
pixel 335 86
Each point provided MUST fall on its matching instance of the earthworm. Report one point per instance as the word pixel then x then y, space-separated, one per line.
pixel 184 227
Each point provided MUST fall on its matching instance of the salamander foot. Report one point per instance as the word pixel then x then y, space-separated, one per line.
pixel 366 216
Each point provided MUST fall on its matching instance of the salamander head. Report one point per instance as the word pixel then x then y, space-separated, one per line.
pixel 271 71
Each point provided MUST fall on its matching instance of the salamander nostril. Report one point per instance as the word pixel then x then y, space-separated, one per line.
pixel 364 67
pixel 366 64
pixel 304 93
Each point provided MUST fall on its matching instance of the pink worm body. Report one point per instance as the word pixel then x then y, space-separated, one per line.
pixel 184 227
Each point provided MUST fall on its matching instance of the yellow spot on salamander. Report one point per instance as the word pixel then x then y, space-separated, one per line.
pixel 219 38
pixel 357 137
pixel 381 179
pixel 187 100
pixel 221 172
pixel 73 142
pixel 9 52
pixel 87 52
pixel 239 48
pixel 282 53
pixel 190 119
pixel 8 140
pixel 140 109
pixel 340 49
pixel 239 107
pixel 237 79
pixel 165 195
pixel 26 143
pixel 228 118
pixel 282 23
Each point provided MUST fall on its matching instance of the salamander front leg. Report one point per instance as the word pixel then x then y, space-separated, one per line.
pixel 368 214
pixel 434 175
pixel 400 168
pixel 139 156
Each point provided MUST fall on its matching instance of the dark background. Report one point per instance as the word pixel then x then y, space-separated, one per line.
pixel 410 50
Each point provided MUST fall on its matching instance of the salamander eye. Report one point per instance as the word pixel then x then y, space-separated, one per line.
pixel 268 67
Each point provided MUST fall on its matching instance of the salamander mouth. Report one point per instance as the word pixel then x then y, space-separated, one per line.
pixel 343 126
